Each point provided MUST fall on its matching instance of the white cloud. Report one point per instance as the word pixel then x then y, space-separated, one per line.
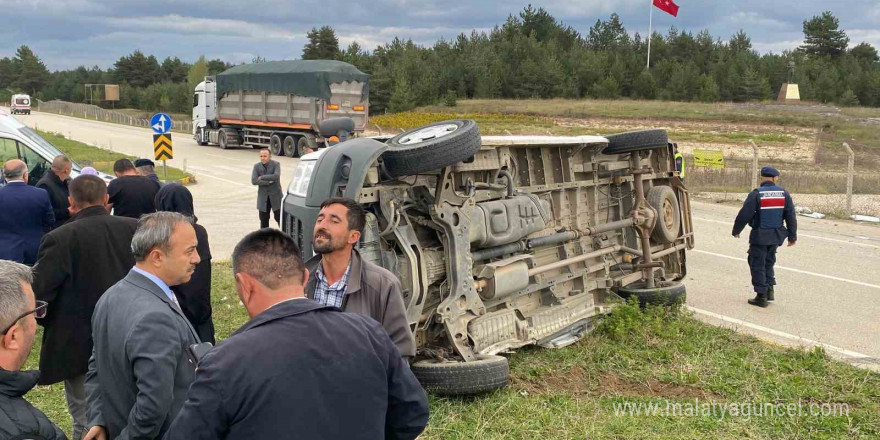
pixel 871 36
pixel 776 47
pixel 204 26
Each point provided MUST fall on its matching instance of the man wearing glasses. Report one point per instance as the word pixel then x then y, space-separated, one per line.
pixel 18 418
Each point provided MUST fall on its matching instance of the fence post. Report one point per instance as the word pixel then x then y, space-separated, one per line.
pixel 850 170
pixel 754 164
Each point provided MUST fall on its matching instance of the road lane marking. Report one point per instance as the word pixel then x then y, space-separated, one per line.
pixel 221 156
pixel 849 353
pixel 234 170
pixel 790 269
pixel 220 178
pixel 799 235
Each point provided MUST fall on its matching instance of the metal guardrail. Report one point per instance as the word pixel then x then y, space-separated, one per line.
pixel 93 112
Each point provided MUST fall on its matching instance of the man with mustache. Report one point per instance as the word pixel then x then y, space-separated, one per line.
pixel 139 372
pixel 344 280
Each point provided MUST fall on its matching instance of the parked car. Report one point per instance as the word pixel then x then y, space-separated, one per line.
pixel 18 141
pixel 505 241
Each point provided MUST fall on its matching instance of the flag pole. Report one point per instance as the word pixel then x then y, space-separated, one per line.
pixel 650 23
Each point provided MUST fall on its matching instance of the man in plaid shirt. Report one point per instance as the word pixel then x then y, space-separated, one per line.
pixel 344 280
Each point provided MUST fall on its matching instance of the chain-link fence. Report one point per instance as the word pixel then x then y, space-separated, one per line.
pixel 838 188
pixel 93 112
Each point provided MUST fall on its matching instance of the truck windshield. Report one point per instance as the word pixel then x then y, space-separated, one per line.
pixel 45 145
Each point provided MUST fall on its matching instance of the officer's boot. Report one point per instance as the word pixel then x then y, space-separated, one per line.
pixel 770 293
pixel 759 300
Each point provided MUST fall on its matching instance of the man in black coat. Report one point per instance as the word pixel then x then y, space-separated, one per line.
pixel 195 296
pixel 18 418
pixel 298 368
pixel 131 194
pixel 77 263
pixel 55 183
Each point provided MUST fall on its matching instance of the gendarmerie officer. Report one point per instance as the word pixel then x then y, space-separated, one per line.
pixel 765 210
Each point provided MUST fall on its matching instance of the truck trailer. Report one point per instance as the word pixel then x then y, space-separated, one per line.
pixel 280 105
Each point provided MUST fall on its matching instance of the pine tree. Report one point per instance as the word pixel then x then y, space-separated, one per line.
pixel 402 98
pixel 822 36
pixel 644 86
pixel 322 45
pixel 707 89
pixel 30 74
pixel 848 99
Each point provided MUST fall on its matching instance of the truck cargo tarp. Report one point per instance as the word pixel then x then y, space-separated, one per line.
pixel 299 77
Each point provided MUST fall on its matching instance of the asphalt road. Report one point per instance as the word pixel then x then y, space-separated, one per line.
pixel 225 199
pixel 828 284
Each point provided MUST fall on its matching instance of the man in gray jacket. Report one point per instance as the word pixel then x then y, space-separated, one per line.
pixel 139 372
pixel 267 176
pixel 344 280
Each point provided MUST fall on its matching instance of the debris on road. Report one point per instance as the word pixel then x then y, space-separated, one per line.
pixel 866 218
pixel 807 212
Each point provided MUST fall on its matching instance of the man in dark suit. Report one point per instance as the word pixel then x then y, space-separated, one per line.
pixel 298 369
pixel 55 183
pixel 131 194
pixel 77 263
pixel 25 216
pixel 139 372
pixel 267 176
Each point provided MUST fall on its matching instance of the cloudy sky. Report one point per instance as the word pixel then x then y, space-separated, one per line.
pixel 70 33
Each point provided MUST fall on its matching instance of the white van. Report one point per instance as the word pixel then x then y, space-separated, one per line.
pixel 18 141
pixel 21 104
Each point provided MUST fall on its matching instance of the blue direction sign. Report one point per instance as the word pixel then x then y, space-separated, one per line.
pixel 161 123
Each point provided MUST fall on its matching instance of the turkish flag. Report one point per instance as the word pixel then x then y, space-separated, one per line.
pixel 667 6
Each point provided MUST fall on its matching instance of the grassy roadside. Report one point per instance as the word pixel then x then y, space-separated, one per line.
pixel 651 357
pixel 804 114
pixel 99 158
pixel 857 126
pixel 501 124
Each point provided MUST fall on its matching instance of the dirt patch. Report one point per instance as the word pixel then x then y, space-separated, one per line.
pixel 578 382
pixel 803 150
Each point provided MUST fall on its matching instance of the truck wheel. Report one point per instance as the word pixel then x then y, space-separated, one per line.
pixel 431 147
pixel 223 140
pixel 635 141
pixel 275 145
pixel 202 136
pixel 289 147
pixel 663 199
pixel 487 373
pixel 304 143
pixel 665 293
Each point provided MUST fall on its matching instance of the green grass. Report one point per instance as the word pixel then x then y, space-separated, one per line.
pixel 636 356
pixel 767 113
pixel 144 114
pixel 524 124
pixel 99 158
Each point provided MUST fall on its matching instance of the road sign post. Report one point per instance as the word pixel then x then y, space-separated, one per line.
pixel 162 148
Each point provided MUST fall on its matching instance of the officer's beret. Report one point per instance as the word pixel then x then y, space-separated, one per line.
pixel 145 162
pixel 769 172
